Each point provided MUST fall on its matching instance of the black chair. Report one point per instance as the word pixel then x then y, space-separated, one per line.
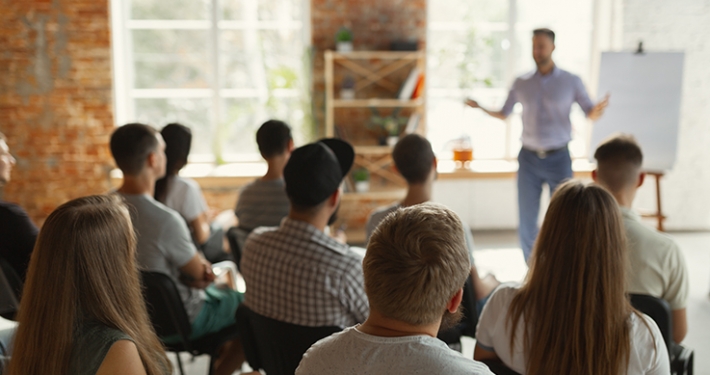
pixel 10 290
pixel 274 346
pixel 236 237
pixel 467 326
pixel 681 358
pixel 168 316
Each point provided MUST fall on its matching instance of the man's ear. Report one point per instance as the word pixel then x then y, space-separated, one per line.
pixel 594 176
pixel 290 146
pixel 335 197
pixel 642 178
pixel 455 301
pixel 152 159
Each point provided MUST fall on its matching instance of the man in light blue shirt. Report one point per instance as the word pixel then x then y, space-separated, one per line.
pixel 547 95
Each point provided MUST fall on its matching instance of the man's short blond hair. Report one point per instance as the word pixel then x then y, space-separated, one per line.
pixel 416 261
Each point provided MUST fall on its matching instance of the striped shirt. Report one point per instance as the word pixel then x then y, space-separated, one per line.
pixel 262 204
pixel 297 274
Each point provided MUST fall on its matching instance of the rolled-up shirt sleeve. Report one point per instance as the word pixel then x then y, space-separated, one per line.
pixel 581 96
pixel 510 101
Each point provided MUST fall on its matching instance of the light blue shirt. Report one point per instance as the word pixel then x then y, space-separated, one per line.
pixel 547 101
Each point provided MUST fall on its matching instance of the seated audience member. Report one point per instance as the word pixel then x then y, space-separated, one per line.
pixel 415 266
pixel 415 161
pixel 571 315
pixel 164 243
pixel 82 310
pixel 657 265
pixel 263 203
pixel 295 273
pixel 17 232
pixel 184 194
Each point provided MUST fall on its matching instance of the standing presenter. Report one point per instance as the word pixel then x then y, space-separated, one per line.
pixel 547 95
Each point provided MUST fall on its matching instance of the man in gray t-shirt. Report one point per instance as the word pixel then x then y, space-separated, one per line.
pixel 164 244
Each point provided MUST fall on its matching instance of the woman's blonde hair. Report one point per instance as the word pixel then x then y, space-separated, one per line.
pixel 82 269
pixel 573 302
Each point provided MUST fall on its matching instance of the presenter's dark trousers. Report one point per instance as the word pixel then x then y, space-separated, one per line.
pixel 536 169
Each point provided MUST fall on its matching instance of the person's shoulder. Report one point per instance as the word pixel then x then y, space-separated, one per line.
pixel 503 294
pixel 324 354
pixel 186 182
pixel 379 213
pixel 524 77
pixel 12 209
pixel 640 231
pixel 644 332
pixel 155 212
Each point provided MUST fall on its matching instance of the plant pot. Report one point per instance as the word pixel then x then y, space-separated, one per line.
pixel 392 140
pixel 362 186
pixel 344 46
pixel 347 94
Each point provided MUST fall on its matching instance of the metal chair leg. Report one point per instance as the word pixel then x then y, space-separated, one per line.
pixel 179 361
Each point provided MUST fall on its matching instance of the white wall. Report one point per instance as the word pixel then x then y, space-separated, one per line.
pixel 662 25
pixel 681 25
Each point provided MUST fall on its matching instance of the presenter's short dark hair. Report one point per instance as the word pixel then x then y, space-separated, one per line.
pixel 130 146
pixel 273 137
pixel 413 157
pixel 545 31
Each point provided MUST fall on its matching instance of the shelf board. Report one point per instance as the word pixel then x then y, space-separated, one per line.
pixel 395 55
pixel 372 150
pixel 381 103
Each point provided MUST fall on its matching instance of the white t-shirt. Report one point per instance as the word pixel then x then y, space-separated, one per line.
pixel 354 352
pixel 185 197
pixel 648 350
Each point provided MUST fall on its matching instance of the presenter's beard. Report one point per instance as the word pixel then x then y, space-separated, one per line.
pixel 334 216
pixel 450 320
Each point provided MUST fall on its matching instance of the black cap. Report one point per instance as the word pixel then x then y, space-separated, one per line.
pixel 315 171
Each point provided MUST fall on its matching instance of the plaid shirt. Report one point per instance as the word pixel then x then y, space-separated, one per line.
pixel 297 274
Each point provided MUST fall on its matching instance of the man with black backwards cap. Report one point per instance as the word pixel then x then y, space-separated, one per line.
pixel 295 273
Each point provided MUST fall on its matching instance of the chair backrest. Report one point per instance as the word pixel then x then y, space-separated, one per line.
pixel 165 308
pixel 274 346
pixel 658 310
pixel 14 280
pixel 237 237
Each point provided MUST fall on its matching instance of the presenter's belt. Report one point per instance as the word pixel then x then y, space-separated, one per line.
pixel 544 153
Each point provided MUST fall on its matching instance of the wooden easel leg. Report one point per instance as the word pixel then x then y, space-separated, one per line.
pixel 659 214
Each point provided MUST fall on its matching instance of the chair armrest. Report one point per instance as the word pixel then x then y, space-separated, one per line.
pixel 682 360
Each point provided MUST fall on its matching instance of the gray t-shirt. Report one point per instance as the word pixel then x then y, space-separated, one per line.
pixel 354 352
pixel 262 204
pixel 164 245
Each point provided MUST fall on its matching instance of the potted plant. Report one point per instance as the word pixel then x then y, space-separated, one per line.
pixel 361 176
pixel 344 40
pixel 391 126
pixel 347 88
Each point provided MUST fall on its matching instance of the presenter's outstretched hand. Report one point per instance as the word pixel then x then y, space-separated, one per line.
pixel 598 110
pixel 471 103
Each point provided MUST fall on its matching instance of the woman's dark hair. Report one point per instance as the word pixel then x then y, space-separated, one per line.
pixel 178 139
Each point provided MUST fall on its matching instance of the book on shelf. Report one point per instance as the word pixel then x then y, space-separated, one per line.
pixel 419 88
pixel 409 85
pixel 412 124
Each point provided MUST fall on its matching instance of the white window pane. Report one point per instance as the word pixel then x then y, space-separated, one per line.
pixel 240 68
pixel 468 10
pixel 171 58
pixel 191 112
pixel 170 9
pixel 233 10
pixel 280 9
pixel 240 124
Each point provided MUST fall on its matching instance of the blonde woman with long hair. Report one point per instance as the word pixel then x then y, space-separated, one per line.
pixel 571 315
pixel 82 311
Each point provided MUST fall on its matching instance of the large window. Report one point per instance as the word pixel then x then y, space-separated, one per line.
pixel 476 48
pixel 221 67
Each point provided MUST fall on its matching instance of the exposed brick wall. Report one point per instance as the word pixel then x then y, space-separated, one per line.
pixel 375 25
pixel 55 100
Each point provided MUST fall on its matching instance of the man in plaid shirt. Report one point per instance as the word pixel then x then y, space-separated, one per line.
pixel 295 273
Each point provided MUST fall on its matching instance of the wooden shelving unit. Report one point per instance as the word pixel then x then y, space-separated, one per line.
pixel 378 79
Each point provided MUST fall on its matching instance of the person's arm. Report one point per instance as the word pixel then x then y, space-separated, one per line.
pixel 481 354
pixel 200 228
pixel 497 114
pixel 680 325
pixel 122 358
pixel 197 273
pixel 598 109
